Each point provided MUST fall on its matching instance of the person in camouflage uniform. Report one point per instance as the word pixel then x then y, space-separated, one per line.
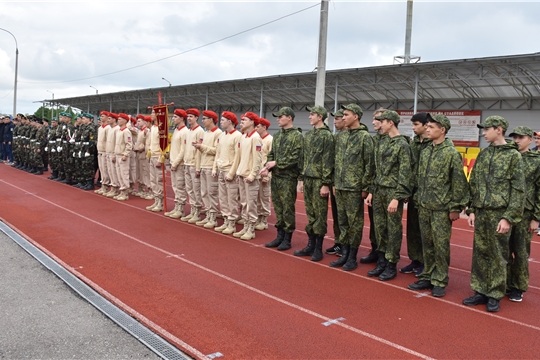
pixel 497 199
pixel 15 142
pixel 392 187
pixel 68 147
pixel 352 179
pixel 40 145
pixel 414 239
pixel 285 160
pixel 51 149
pixel 32 149
pixel 517 279
pixel 316 181
pixel 442 194
pixel 339 126
pixel 76 150
pixel 60 148
pixel 88 149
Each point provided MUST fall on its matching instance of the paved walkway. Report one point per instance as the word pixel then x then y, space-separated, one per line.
pixel 41 317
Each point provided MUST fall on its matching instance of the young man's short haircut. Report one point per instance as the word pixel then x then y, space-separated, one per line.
pixel 420 117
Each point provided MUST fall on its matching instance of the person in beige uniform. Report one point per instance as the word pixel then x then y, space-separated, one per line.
pixel 122 150
pixel 249 166
pixel 176 158
pixel 111 156
pixel 204 164
pixel 156 176
pixel 263 200
pixel 193 180
pixel 140 156
pixel 101 145
pixel 148 195
pixel 132 127
pixel 224 169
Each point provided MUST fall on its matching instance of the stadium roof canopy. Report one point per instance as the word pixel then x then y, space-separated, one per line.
pixel 504 82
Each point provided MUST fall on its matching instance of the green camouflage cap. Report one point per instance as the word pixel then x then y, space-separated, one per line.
pixel 287 111
pixel 389 115
pixel 494 121
pixel 63 113
pixel 338 113
pixel 523 131
pixel 354 108
pixel 318 110
pixel 441 120
pixel 88 116
pixel 54 119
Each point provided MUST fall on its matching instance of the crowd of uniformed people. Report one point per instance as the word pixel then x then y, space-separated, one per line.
pixel 232 170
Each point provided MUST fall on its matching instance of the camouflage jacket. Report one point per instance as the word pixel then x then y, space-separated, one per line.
pixel 88 138
pixel 497 181
pixel 393 167
pixel 416 148
pixel 531 170
pixel 319 155
pixel 378 141
pixel 353 168
pixel 442 184
pixel 41 137
pixel 288 153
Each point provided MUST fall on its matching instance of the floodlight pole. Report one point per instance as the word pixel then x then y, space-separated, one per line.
pixel 408 32
pixel 16 72
pixel 321 61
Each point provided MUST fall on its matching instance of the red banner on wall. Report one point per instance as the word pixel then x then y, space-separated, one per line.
pixel 162 114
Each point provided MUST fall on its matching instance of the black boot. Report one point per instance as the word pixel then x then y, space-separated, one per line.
pixel 389 273
pixel 286 243
pixel 54 175
pixel 277 241
pixel 308 250
pixel 89 185
pixel 38 171
pixel 345 250
pixel 381 265
pixel 317 252
pixel 351 263
pixel 371 257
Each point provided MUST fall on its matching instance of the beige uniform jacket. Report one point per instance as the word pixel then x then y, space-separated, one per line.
pixel 178 146
pixel 250 156
pixel 266 147
pixel 111 139
pixel 227 150
pixel 101 143
pixel 208 149
pixel 190 152
pixel 124 142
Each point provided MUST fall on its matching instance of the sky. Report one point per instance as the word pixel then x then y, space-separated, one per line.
pixel 72 48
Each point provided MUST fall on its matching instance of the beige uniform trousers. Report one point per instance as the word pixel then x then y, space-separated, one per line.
pixel 143 170
pixel 103 170
pixel 111 170
pixel 209 190
pixel 133 167
pixel 249 192
pixel 193 186
pixel 156 177
pixel 122 172
pixel 228 197
pixel 178 182
pixel 263 201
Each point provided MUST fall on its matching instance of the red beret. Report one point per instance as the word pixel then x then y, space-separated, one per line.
pixel 123 116
pixel 210 114
pixel 140 116
pixel 231 116
pixel 106 113
pixel 180 112
pixel 193 111
pixel 113 115
pixel 252 116
pixel 133 120
pixel 264 122
pixel 148 118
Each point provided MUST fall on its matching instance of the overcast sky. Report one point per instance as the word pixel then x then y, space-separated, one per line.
pixel 66 47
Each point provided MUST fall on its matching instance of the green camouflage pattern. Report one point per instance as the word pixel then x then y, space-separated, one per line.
pixel 436 228
pixel 490 254
pixel 517 271
pixel 442 120
pixel 350 206
pixel 353 169
pixel 522 131
pixel 318 110
pixel 284 193
pixel 494 121
pixel 319 155
pixel 354 108
pixel 389 115
pixel 531 171
pixel 388 227
pixel 497 182
pixel 393 167
pixel 316 207
pixel 288 153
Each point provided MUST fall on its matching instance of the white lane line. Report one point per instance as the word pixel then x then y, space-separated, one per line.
pixel 234 281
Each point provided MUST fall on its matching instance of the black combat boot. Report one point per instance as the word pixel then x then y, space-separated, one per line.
pixel 277 241
pixel 351 263
pixel 308 250
pixel 317 252
pixel 389 273
pixel 54 175
pixel 371 257
pixel 286 243
pixel 381 265
pixel 345 250
pixel 89 185
pixel 38 171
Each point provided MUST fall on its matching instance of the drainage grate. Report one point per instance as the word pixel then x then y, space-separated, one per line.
pixel 153 341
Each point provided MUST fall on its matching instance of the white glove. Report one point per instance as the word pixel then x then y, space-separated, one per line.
pixel 46 148
pixel 59 148
pixel 79 154
pixel 52 150
pixel 72 141
pixel 86 154
pixel 73 154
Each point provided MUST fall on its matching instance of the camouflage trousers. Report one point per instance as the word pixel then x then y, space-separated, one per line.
pixel 88 171
pixel 388 227
pixel 414 238
pixel 316 207
pixel 53 158
pixel 284 200
pixel 436 228
pixel 490 254
pixel 334 215
pixel 350 206
pixel 520 249
pixel 372 236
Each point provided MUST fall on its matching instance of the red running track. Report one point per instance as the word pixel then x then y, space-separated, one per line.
pixel 207 292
